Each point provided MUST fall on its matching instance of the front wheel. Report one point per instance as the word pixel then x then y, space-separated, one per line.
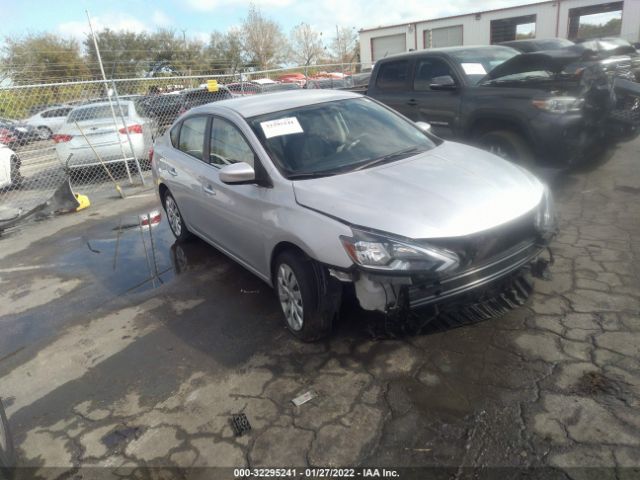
pixel 174 218
pixel 508 145
pixel 309 298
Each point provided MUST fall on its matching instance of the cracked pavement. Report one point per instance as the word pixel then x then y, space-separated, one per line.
pixel 122 349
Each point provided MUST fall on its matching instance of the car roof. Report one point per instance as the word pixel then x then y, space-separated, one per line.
pixel 100 104
pixel 253 105
pixel 445 50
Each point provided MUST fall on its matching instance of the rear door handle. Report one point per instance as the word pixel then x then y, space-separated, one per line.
pixel 172 171
pixel 209 190
pixel 412 103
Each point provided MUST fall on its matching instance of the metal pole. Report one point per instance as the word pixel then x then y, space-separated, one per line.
pixel 124 124
pixel 106 89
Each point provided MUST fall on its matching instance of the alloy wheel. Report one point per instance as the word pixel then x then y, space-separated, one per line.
pixel 173 216
pixel 290 297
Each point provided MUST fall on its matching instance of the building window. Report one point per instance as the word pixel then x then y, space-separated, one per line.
pixel 443 37
pixel 602 20
pixel 515 28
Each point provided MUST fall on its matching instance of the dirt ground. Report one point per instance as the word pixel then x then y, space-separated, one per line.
pixel 120 348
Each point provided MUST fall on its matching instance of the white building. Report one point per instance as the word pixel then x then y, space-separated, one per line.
pixel 546 19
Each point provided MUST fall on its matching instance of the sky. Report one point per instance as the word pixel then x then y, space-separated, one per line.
pixel 197 18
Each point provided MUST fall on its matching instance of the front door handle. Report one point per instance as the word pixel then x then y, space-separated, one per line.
pixel 412 103
pixel 209 190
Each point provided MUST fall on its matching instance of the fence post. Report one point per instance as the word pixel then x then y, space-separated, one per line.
pixel 106 89
pixel 124 124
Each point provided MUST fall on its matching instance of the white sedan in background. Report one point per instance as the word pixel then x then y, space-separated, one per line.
pixel 9 167
pixel 49 121
pixel 95 121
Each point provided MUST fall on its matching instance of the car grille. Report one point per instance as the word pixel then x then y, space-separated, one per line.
pixel 480 275
pixel 477 248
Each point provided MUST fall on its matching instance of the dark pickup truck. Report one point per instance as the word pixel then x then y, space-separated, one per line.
pixel 548 107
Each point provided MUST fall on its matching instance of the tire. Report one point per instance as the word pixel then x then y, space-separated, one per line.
pixel 7 453
pixel 508 145
pixel 309 297
pixel 44 133
pixel 174 218
pixel 16 177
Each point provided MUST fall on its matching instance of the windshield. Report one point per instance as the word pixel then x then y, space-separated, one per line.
pixel 336 137
pixel 477 62
pixel 96 112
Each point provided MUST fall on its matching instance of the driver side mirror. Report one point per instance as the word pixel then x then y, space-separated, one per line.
pixel 445 82
pixel 237 173
pixel 424 126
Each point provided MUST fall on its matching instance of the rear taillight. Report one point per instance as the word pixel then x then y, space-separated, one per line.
pixel 151 154
pixel 132 129
pixel 59 138
pixel 150 219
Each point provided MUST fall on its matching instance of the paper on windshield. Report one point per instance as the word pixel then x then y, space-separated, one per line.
pixel 474 69
pixel 281 126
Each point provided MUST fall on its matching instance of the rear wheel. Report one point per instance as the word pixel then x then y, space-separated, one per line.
pixel 508 145
pixel 174 218
pixel 16 176
pixel 44 133
pixel 309 298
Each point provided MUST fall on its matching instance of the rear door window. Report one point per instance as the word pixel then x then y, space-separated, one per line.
pixel 393 75
pixel 192 136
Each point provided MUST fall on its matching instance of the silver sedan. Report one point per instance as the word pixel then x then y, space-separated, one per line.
pixel 312 190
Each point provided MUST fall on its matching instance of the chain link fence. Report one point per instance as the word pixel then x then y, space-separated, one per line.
pixel 98 134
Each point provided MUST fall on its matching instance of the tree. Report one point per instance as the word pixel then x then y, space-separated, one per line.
pixel 42 58
pixel 225 52
pixel 124 54
pixel 263 40
pixel 344 46
pixel 594 30
pixel 306 45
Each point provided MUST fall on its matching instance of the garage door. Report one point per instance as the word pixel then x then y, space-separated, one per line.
pixel 384 46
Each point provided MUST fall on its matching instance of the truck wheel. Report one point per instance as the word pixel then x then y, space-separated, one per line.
pixel 309 298
pixel 174 217
pixel 508 145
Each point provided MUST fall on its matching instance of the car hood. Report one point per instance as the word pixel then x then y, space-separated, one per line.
pixel 450 191
pixel 551 60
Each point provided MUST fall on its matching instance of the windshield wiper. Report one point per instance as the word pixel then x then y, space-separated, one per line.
pixel 389 158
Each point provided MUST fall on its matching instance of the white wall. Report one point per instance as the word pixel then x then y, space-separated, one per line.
pixel 478 32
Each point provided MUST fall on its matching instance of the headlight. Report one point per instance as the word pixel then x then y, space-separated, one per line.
pixel 546 215
pixel 559 104
pixel 378 252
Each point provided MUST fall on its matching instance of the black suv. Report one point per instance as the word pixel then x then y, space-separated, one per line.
pixel 546 106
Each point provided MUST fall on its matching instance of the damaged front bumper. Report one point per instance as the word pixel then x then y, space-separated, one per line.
pixel 479 292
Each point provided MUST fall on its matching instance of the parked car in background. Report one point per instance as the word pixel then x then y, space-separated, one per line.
pixel 48 121
pixel 315 83
pixel 313 190
pixel 16 134
pixel 165 108
pixel 96 122
pixel 243 88
pixel 538 44
pixel 545 106
pixel 9 168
